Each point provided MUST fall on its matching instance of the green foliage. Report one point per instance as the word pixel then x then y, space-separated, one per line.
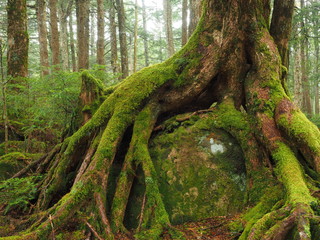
pixel 16 193
pixel 316 120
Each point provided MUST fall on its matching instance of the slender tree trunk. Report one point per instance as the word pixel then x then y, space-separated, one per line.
pixel 184 34
pixel 100 23
pixel 317 104
pixel 316 32
pixel 113 38
pixel 18 38
pixel 195 12
pixel 306 100
pixel 72 45
pixel 297 77
pixel 135 41
pixel 65 8
pixel 122 38
pixel 82 9
pixel 145 34
pixel 43 34
pixel 4 99
pixel 55 46
pixel 167 13
pixel 93 44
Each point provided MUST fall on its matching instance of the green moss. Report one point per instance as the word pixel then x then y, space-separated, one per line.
pixel 290 173
pixel 13 162
pixel 300 128
pixel 266 204
pixel 77 235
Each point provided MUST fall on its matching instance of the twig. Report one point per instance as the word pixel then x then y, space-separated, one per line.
pixel 93 230
pixel 51 223
pixel 142 210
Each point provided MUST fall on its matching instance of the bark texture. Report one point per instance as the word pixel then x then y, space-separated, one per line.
pixel 82 10
pixel 65 8
pixel 184 35
pixel 167 13
pixel 145 34
pixel 54 38
pixel 122 38
pixel 231 65
pixel 43 35
pixel 18 38
pixel 113 37
pixel 100 41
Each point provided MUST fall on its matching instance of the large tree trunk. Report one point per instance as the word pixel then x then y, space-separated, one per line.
pixel 18 38
pixel 237 66
pixel 43 34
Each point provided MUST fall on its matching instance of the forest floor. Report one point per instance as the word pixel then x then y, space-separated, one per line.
pixel 207 229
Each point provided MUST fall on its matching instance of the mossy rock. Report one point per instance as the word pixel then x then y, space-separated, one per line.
pixel 13 162
pixel 201 172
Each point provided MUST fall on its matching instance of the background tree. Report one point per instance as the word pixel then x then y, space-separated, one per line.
pixel 100 41
pixel 184 35
pixel 167 13
pixel 18 39
pixel 122 38
pixel 43 35
pixel 113 37
pixel 54 34
pixel 65 8
pixel 82 7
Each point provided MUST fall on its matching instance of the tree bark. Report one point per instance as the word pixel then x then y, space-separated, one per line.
pixel 72 45
pixel 184 35
pixel 18 39
pixel 122 38
pixel 65 8
pixel 135 41
pixel 113 38
pixel 55 45
pixel 82 10
pixel 100 23
pixel 195 12
pixel 167 13
pixel 235 68
pixel 4 100
pixel 43 35
pixel 92 44
pixel 306 99
pixel 297 78
pixel 145 35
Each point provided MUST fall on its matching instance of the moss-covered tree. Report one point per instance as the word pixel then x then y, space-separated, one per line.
pixel 232 60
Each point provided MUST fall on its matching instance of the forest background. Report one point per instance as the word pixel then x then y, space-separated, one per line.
pixel 116 38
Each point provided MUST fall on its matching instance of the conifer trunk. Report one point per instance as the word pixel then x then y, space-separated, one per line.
pixel 43 43
pixel 54 38
pixel 18 38
pixel 100 42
